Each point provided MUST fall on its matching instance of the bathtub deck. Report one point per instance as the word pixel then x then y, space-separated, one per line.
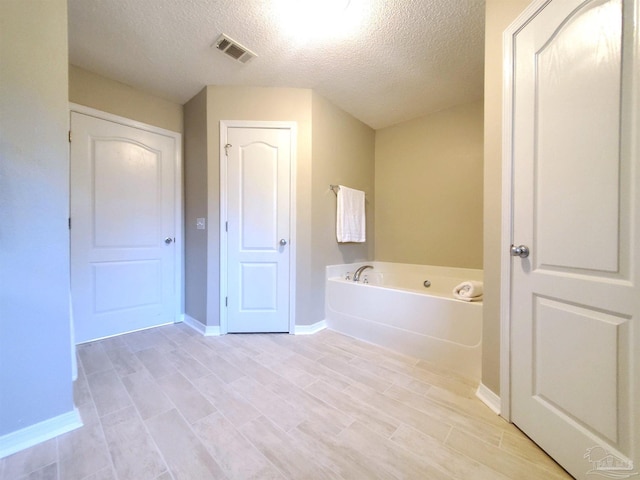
pixel 167 403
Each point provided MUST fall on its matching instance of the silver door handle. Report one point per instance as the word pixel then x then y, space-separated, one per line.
pixel 521 251
pixel 168 240
pixel 283 242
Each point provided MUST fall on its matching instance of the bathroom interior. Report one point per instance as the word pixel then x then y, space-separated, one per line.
pixel 433 198
pixel 422 181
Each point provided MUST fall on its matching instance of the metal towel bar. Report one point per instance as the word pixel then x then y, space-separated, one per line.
pixel 335 188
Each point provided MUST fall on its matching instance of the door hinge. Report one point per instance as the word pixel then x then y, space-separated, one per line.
pixel 226 226
pixel 226 301
pixel 69 223
pixel 226 149
pixel 69 136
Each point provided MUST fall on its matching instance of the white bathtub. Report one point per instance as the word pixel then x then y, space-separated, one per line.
pixel 395 310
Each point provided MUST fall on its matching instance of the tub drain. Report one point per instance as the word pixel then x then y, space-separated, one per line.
pixel 427 283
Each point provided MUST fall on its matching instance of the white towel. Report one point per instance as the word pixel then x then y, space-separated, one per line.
pixel 350 216
pixel 470 291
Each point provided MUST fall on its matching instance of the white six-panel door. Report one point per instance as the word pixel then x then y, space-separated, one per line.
pixel 257 224
pixel 575 299
pixel 123 228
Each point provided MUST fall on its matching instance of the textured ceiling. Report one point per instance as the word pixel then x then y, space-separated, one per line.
pixel 383 61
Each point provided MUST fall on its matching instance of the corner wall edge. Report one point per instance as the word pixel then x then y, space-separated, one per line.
pixel 207 331
pixel 310 329
pixel 489 398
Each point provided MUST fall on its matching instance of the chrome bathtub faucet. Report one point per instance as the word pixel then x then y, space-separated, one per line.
pixel 356 276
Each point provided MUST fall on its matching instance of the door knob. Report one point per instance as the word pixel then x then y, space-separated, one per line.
pixel 283 242
pixel 168 240
pixel 521 251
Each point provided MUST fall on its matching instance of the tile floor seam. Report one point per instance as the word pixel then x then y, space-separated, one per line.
pixel 470 459
pixel 260 452
pixel 196 389
pixel 548 467
pixel 426 460
pixel 223 414
pixel 331 407
pixel 390 437
pixel 58 474
pixel 155 445
pixel 104 435
pixel 191 424
pixel 346 451
pixel 190 427
pixel 84 423
pixel 139 416
pixel 37 469
pixel 444 440
pixel 375 376
pixel 153 440
pixel 193 358
pixel 335 407
pixel 284 474
pixel 260 410
pixel 401 447
pixel 468 416
pixel 387 389
pixel 510 456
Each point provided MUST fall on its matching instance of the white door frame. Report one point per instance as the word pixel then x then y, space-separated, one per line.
pixel 179 229
pixel 293 127
pixel 508 39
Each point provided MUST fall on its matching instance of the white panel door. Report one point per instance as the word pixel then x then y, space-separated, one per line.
pixel 258 199
pixel 575 302
pixel 123 228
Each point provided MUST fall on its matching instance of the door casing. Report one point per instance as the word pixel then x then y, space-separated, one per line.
pixel 224 125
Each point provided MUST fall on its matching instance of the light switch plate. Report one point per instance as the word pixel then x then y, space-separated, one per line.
pixel 201 223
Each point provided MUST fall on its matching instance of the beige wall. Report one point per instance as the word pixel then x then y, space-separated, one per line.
pixel 195 206
pixel 332 147
pixel 92 90
pixel 343 153
pixel 261 104
pixel 499 14
pixel 35 331
pixel 428 183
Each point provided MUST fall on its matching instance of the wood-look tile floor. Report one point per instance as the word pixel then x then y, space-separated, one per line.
pixel 167 403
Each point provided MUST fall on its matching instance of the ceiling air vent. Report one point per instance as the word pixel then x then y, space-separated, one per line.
pixel 232 48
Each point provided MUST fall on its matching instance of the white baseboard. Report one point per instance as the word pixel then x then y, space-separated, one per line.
pixel 207 331
pixel 489 398
pixel 40 432
pixel 215 330
pixel 310 329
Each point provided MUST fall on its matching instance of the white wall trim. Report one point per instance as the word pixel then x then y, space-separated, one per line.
pixel 310 329
pixel 489 398
pixel 207 331
pixel 508 61
pixel 75 107
pixel 293 126
pixel 40 432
